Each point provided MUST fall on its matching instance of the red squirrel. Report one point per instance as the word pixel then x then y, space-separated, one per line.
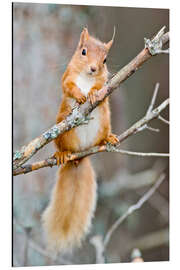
pixel 68 217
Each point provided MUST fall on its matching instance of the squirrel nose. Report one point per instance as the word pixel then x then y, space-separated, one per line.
pixel 93 69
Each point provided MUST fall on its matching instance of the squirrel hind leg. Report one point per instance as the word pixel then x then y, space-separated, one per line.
pixel 62 157
pixel 112 139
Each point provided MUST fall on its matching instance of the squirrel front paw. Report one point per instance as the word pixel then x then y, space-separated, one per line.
pixel 112 139
pixel 62 157
pixel 92 96
pixel 80 98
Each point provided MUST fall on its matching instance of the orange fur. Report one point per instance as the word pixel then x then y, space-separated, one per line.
pixel 68 216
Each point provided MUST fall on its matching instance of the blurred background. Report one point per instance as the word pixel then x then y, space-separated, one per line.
pixel 44 39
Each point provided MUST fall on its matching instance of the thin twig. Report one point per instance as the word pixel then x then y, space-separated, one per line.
pixel 100 244
pixel 138 125
pixel 160 204
pixel 152 129
pixel 155 44
pixel 141 154
pixel 96 241
pixel 103 148
pixel 133 208
pixel 151 106
pixel 31 243
pixel 80 114
pixel 52 161
pixel 163 119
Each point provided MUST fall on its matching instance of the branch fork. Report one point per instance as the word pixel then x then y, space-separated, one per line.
pixel 80 114
pixel 155 44
pixel 101 243
pixel 139 126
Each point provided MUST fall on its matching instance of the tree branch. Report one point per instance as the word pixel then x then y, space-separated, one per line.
pixel 102 243
pixel 163 119
pixel 137 127
pixel 133 208
pixel 79 114
pixel 153 100
pixel 139 154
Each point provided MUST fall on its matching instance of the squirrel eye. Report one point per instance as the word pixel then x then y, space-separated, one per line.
pixel 104 61
pixel 84 52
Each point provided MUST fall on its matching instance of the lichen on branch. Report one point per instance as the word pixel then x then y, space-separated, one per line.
pixel 80 114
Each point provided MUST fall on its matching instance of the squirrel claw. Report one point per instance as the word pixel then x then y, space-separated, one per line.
pixel 92 96
pixel 81 99
pixel 112 139
pixel 62 157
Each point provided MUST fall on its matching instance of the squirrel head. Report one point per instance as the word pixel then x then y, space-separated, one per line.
pixel 91 54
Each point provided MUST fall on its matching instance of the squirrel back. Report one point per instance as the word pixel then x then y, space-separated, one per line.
pixel 68 217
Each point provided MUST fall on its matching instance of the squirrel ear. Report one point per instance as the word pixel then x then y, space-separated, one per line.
pixel 84 36
pixel 109 44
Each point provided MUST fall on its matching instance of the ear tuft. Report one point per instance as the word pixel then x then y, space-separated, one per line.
pixel 109 44
pixel 84 36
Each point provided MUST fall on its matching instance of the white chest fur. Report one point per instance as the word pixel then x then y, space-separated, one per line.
pixel 85 83
pixel 87 134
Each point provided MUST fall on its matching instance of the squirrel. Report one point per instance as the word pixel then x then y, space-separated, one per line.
pixel 68 217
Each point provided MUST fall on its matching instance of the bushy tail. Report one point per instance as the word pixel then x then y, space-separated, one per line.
pixel 67 219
